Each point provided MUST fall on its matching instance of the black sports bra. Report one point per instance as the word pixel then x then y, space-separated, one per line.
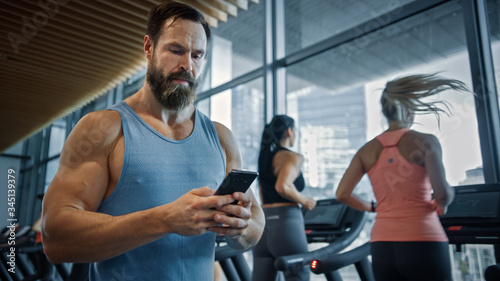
pixel 268 189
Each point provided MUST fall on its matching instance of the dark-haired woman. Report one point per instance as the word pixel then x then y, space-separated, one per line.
pixel 405 168
pixel 281 181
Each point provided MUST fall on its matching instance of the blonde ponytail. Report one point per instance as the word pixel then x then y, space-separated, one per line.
pixel 403 95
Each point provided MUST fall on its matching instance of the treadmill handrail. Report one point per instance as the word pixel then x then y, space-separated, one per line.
pixel 224 252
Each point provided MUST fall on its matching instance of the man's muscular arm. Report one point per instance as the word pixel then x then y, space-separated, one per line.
pixel 245 221
pixel 73 231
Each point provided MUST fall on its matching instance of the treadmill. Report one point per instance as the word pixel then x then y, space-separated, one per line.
pixel 338 225
pixel 232 261
pixel 474 218
pixel 474 215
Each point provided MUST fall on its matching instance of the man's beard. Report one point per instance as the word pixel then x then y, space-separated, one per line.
pixel 172 96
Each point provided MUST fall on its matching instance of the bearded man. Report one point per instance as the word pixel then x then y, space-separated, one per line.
pixel 134 192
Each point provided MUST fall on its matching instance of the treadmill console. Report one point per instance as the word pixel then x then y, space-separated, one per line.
pixel 329 221
pixel 474 215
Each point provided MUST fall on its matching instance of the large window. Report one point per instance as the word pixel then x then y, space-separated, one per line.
pixel 493 8
pixel 309 22
pixel 50 172
pixel 237 46
pixel 57 137
pixel 335 96
pixel 241 109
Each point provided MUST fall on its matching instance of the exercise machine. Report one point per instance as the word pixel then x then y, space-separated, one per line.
pixel 26 261
pixel 232 261
pixel 338 225
pixel 474 218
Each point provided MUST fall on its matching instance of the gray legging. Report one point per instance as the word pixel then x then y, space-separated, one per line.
pixel 284 235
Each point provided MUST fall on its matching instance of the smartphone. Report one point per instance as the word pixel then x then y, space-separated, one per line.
pixel 236 181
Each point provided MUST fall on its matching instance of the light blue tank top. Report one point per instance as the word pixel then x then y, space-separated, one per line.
pixel 157 170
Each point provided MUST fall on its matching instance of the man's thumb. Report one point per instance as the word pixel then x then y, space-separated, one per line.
pixel 203 191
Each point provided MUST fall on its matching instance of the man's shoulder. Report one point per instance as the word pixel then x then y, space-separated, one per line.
pixel 93 137
pixel 103 119
pixel 220 127
pixel 224 134
pixel 101 127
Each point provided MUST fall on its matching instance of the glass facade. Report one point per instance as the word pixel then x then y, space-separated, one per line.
pixel 57 137
pixel 309 22
pixel 241 109
pixel 335 95
pixel 493 10
pixel 337 57
pixel 236 49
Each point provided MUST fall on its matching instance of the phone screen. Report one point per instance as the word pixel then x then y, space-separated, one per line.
pixel 236 181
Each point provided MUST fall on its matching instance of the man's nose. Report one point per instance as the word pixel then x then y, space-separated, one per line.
pixel 186 63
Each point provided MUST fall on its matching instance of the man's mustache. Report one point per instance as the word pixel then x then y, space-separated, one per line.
pixel 182 75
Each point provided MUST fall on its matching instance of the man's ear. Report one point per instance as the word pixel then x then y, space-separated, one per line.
pixel 148 47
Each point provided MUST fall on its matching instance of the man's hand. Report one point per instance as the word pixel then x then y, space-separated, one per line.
pixel 234 218
pixel 194 212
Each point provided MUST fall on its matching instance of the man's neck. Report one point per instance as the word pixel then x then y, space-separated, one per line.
pixel 144 103
pixel 174 124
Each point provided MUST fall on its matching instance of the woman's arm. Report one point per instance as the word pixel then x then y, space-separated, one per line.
pixel 287 165
pixel 443 193
pixel 349 180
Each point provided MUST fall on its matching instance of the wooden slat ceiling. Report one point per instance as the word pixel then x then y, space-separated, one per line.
pixel 58 55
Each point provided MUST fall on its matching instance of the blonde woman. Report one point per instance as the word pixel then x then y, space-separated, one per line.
pixel 408 179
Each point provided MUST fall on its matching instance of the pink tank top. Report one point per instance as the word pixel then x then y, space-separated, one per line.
pixel 405 209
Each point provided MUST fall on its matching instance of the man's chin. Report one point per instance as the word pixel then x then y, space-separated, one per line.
pixel 177 98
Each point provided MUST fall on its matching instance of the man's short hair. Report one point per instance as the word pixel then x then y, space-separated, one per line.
pixel 160 14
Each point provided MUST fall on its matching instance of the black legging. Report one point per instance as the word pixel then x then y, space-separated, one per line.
pixel 408 261
pixel 284 235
